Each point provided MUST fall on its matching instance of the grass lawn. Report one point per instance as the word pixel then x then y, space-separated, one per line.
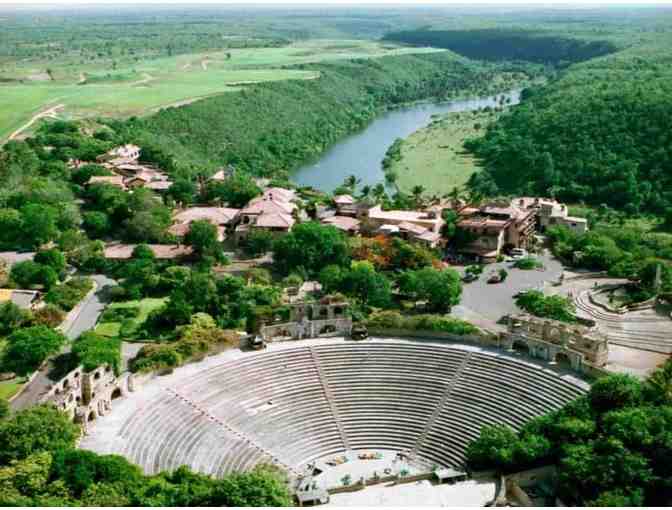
pixel 9 388
pixel 136 88
pixel 144 306
pixel 434 156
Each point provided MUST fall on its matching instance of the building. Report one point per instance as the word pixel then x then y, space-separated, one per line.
pixel 112 180
pixel 496 227
pixel 128 153
pixel 24 299
pixel 273 211
pixel 223 174
pixel 550 213
pixel 345 205
pixel 344 223
pixel 224 218
pixel 374 218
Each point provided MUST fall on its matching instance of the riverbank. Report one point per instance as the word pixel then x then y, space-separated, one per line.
pixel 363 153
pixel 271 130
pixel 435 157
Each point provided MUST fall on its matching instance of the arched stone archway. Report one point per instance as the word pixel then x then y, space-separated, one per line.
pixel 521 347
pixel 563 360
pixel 116 394
pixel 91 416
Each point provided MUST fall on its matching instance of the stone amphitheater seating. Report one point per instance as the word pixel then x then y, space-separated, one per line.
pixel 279 406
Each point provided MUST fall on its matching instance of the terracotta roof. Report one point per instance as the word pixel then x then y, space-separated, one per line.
pixel 429 236
pixel 161 251
pixel 280 193
pixel 412 228
pixel 344 199
pixel 159 185
pixel 397 215
pixel 342 222
pixel 261 205
pixel 274 220
pixel 114 180
pixel 216 215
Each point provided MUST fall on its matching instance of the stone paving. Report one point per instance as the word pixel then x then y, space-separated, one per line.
pixel 472 493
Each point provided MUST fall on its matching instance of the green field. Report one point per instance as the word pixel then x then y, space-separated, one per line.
pixel 81 90
pixel 434 156
pixel 145 307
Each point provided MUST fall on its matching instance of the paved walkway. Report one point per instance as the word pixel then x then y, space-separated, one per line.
pixel 81 321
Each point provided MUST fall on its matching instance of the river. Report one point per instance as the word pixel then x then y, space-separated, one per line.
pixel 362 153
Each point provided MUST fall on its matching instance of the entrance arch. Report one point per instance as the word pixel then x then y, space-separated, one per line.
pixel 521 347
pixel 116 394
pixel 562 360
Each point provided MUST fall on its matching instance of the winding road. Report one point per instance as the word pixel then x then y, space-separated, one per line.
pixel 82 320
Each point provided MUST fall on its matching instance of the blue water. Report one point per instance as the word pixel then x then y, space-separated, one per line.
pixel 362 154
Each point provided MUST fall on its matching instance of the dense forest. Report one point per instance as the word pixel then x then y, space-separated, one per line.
pixel 271 128
pixel 507 44
pixel 601 133
pixel 612 447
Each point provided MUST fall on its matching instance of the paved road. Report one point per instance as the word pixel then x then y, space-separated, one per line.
pixel 82 321
pixel 484 303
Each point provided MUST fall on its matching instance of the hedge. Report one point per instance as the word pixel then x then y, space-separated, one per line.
pixel 426 322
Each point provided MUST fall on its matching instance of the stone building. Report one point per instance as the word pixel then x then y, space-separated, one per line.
pixel 556 341
pixel 328 316
pixel 84 396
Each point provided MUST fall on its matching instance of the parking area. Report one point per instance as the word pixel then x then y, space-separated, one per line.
pixel 485 303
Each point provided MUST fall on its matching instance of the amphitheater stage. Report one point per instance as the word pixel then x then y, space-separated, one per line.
pixel 472 493
pixel 303 402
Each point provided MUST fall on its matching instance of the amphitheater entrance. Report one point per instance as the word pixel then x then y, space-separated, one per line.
pixel 92 416
pixel 563 361
pixel 521 347
pixel 116 394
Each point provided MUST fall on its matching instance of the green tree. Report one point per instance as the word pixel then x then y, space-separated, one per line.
pixel 12 317
pixel 258 242
pixel 203 239
pixel 494 447
pixel 52 258
pixel 615 391
pixel 182 191
pixel 27 274
pixel 367 285
pixel 96 223
pixel 4 409
pixel 441 288
pixel 27 348
pixel 236 191
pixel 263 486
pixel 39 428
pixel 312 246
pixel 42 221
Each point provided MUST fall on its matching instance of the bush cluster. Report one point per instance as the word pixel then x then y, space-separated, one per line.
pixel 389 319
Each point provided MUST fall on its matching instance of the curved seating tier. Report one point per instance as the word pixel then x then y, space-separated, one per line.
pixel 295 405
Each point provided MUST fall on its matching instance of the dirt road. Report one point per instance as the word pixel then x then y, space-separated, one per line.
pixel 49 112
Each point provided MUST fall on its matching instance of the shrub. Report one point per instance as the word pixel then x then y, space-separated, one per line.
pixel 120 313
pixel 552 307
pixel 527 263
pixel 49 315
pixel 70 293
pixel 94 350
pixel 27 348
pixel 439 323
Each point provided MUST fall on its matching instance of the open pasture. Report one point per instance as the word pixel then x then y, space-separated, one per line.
pixel 129 88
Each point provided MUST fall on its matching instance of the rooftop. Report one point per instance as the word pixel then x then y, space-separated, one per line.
pixel 342 222
pixel 215 215
pixel 275 220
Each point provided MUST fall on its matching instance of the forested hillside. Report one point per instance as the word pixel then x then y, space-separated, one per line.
pixel 507 44
pixel 602 133
pixel 270 128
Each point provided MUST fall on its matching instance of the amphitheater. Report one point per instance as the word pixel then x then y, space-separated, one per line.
pixel 303 404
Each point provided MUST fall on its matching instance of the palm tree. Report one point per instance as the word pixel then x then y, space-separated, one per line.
pixel 475 198
pixel 351 182
pixel 417 192
pixel 366 191
pixel 379 192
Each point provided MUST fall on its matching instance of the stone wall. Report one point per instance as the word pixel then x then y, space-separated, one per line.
pixel 548 339
pixel 85 396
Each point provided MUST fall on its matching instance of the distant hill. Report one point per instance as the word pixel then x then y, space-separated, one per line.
pixel 507 44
